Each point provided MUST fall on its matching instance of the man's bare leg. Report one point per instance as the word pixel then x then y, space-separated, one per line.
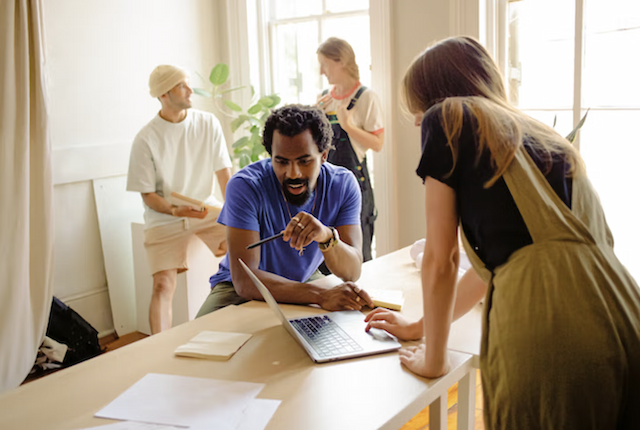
pixel 164 286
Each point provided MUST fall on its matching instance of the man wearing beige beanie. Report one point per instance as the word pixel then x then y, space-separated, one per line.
pixel 180 150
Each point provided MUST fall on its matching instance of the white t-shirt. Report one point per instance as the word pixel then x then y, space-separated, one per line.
pixel 367 114
pixel 181 157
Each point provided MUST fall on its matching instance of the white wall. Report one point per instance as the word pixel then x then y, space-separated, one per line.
pixel 416 24
pixel 99 55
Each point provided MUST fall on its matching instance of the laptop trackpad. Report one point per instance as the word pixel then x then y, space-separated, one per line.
pixel 353 323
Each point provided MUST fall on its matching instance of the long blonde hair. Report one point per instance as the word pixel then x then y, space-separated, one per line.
pixel 457 73
pixel 339 50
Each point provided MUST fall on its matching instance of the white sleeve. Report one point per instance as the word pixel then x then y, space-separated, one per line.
pixel 373 119
pixel 221 159
pixel 142 172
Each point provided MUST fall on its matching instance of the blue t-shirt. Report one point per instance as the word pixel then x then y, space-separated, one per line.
pixel 254 201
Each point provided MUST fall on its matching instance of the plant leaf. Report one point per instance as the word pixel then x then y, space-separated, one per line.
pixel 236 123
pixel 276 100
pixel 253 91
pixel 258 149
pixel 244 160
pixel 254 109
pixel 255 121
pixel 232 89
pixel 266 101
pixel 555 119
pixel 572 136
pixel 219 74
pixel 201 92
pixel 240 142
pixel 233 106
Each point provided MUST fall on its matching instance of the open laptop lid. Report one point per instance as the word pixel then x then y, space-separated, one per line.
pixel 273 304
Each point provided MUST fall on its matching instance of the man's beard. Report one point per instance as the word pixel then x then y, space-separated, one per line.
pixel 296 199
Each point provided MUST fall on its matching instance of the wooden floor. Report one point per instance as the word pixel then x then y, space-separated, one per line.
pixel 419 422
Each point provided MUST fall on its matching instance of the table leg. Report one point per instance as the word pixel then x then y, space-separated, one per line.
pixel 467 401
pixel 438 413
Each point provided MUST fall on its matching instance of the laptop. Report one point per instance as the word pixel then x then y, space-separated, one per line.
pixel 331 336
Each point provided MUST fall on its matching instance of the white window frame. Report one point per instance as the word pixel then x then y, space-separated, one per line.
pixel 240 55
pixel 495 40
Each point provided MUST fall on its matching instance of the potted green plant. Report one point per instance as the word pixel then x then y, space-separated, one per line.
pixel 247 148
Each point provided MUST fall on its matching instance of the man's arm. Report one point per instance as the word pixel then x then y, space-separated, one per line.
pixel 345 258
pixel 223 176
pixel 160 204
pixel 284 290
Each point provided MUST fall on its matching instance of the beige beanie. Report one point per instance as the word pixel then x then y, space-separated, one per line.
pixel 164 78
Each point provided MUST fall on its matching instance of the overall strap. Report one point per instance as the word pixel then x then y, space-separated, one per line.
pixel 546 216
pixel 355 98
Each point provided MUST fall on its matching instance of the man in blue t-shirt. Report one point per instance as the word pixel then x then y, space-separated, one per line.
pixel 316 204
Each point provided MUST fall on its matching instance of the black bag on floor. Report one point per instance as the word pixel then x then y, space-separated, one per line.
pixel 69 328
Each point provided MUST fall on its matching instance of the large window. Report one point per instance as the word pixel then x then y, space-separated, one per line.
pixel 296 28
pixel 567 56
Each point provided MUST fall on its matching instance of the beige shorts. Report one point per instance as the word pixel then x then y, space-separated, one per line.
pixel 167 245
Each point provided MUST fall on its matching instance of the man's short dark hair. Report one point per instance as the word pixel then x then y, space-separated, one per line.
pixel 291 120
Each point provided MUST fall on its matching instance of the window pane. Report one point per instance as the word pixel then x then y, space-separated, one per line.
pixel 541 53
pixel 354 30
pixel 563 119
pixel 295 64
pixel 346 5
pixel 611 154
pixel 611 64
pixel 282 9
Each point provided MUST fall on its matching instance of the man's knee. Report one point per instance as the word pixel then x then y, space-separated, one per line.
pixel 222 295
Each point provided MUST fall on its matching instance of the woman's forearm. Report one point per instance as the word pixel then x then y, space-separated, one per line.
pixel 439 297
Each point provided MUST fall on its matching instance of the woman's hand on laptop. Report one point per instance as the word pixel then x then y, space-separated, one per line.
pixel 394 323
pixel 347 296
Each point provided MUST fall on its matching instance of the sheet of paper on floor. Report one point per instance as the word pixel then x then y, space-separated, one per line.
pixel 183 401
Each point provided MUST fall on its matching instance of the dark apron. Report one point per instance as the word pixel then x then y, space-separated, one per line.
pixel 344 155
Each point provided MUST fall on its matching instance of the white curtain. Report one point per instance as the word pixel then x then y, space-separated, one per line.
pixel 26 224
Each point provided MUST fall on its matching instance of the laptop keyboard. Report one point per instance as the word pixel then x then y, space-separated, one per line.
pixel 325 336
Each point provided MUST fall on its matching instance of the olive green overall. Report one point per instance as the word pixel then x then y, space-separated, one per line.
pixel 561 336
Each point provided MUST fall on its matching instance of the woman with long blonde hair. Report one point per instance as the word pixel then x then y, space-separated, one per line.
pixel 355 115
pixel 561 333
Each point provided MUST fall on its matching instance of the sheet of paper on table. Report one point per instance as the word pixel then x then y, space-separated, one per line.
pixel 184 402
pixel 255 417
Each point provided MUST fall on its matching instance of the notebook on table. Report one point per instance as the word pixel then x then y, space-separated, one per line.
pixel 331 336
pixel 213 345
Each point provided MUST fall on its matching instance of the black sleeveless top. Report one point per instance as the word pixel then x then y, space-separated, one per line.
pixel 489 217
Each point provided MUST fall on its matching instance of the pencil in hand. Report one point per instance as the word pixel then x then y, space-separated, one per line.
pixel 265 240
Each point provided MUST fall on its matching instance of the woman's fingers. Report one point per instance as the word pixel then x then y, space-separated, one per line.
pixel 374 312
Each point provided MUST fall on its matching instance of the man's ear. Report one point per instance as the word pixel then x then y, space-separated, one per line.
pixel 325 154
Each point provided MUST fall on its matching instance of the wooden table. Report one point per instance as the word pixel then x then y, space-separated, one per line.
pixel 367 393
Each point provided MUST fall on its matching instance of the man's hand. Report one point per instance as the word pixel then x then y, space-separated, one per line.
pixel 303 229
pixel 188 212
pixel 347 296
pixel 394 323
